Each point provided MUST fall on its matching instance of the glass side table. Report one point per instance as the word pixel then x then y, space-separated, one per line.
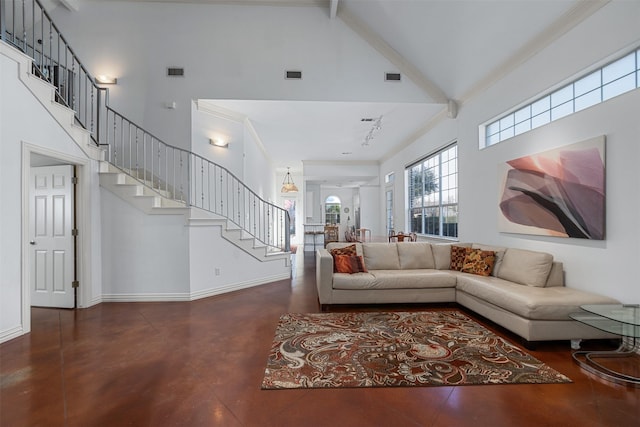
pixel 619 319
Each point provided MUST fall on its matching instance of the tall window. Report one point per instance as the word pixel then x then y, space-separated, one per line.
pixel 332 210
pixel 389 209
pixel 433 194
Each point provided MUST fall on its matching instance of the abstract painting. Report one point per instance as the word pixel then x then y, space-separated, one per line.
pixel 559 192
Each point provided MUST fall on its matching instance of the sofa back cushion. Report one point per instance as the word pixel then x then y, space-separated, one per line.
pixel 442 254
pixel 526 267
pixel 415 255
pixel 381 256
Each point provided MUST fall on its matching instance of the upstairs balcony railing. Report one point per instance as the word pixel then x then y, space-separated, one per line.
pixel 171 171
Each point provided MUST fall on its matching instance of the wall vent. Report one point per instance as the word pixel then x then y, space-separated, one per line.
pixel 293 75
pixel 392 77
pixel 175 72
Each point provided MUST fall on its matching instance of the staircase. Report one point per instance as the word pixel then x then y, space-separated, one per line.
pixel 155 177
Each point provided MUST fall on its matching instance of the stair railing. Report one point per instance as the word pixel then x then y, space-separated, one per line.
pixel 173 172
pixel 193 180
pixel 26 25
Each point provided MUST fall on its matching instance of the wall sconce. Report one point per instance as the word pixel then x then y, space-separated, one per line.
pixel 219 142
pixel 106 80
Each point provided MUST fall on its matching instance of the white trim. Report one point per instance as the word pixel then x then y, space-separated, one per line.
pixel 145 297
pixel 12 333
pixel 258 141
pixel 238 286
pixel 205 293
pixel 220 112
pixel 83 218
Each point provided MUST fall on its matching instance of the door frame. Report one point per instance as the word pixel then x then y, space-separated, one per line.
pixel 83 221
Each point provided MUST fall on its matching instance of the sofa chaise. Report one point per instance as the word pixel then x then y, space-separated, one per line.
pixel 522 291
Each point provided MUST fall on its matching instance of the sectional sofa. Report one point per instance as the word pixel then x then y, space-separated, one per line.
pixel 521 290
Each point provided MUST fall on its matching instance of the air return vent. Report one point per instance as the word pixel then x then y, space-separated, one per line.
pixel 392 77
pixel 175 72
pixel 293 75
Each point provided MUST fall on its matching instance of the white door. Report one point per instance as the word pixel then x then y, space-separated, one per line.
pixel 51 231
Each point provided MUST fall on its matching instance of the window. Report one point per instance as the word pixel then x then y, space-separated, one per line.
pixel 332 210
pixel 432 186
pixel 611 80
pixel 389 178
pixel 389 210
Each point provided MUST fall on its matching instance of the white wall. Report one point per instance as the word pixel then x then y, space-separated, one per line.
pixel 25 124
pixel 205 126
pixel 145 257
pixel 600 266
pixel 228 51
pixel 218 266
pixel 371 216
pixel 258 170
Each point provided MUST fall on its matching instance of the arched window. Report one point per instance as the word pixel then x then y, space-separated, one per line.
pixel 332 210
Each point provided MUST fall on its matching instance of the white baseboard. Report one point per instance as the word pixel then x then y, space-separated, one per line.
pixel 145 297
pixel 238 286
pixel 10 334
pixel 205 293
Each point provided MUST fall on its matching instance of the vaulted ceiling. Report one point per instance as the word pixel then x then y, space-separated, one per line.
pixel 450 50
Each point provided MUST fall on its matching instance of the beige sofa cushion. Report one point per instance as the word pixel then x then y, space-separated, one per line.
pixel 553 303
pixel 415 255
pixel 380 256
pixel 394 279
pixel 525 267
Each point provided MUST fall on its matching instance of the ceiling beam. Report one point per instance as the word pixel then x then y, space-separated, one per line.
pixel 72 5
pixel 333 9
pixel 392 55
pixel 580 11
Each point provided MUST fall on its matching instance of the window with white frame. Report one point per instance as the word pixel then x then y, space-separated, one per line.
pixel 616 78
pixel 432 187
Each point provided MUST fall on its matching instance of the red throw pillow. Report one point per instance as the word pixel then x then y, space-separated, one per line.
pixel 347 250
pixel 349 264
pixel 458 254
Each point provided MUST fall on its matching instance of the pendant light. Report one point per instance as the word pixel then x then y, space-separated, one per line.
pixel 287 185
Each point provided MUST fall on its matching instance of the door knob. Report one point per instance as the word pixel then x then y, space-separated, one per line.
pixel 33 242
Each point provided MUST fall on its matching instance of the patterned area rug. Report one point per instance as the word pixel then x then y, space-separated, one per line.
pixel 395 349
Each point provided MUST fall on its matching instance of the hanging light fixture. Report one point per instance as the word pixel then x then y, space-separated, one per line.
pixel 287 185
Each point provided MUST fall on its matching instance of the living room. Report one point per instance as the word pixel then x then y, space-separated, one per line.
pixel 125 39
pixel 609 31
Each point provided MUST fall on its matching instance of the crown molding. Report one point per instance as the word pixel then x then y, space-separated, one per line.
pixel 417 134
pixel 306 3
pixel 258 141
pixel 220 112
pixel 340 163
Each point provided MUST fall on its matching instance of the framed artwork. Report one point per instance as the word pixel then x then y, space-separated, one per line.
pixel 558 193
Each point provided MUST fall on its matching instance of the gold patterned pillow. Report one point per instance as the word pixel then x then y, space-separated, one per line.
pixel 479 262
pixel 347 250
pixel 458 255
